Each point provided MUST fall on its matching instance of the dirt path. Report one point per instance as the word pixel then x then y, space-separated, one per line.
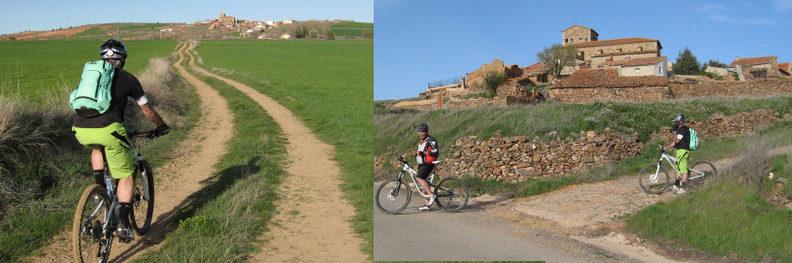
pixel 176 180
pixel 313 220
pixel 591 212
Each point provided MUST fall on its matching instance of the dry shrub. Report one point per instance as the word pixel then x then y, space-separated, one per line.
pixel 27 132
pixel 165 93
pixel 753 163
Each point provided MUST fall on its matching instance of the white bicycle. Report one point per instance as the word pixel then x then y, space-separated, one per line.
pixel 652 181
pixel 393 195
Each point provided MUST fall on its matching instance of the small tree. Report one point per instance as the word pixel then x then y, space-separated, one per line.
pixel 558 56
pixel 330 35
pixel 301 32
pixel 686 63
pixel 493 79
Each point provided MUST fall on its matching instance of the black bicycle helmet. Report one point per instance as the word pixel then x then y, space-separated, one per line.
pixel 679 118
pixel 113 49
pixel 423 127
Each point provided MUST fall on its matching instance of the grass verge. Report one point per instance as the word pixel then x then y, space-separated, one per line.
pixel 236 206
pixel 730 215
pixel 328 85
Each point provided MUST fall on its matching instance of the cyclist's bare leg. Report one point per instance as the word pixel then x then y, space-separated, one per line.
pixel 426 188
pixel 125 189
pixel 97 162
pixel 684 179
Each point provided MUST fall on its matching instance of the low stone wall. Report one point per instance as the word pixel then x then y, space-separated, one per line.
pixel 628 94
pixel 520 158
pixel 720 125
pixel 753 88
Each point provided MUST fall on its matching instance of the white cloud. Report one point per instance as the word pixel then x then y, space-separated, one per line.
pixel 719 13
pixel 783 5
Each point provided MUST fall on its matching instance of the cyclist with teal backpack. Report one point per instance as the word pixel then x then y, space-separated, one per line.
pixel 681 142
pixel 104 126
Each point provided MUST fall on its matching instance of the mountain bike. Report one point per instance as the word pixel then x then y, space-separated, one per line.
pixel 654 179
pixel 96 216
pixel 393 195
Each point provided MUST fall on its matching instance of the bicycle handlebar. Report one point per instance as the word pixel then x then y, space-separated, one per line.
pixel 148 134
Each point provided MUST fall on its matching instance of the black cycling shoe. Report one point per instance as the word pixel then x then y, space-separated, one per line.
pixel 125 233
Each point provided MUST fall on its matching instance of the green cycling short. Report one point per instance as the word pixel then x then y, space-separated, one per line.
pixel 682 160
pixel 117 149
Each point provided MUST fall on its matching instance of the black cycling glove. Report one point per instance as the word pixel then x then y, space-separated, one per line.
pixel 162 130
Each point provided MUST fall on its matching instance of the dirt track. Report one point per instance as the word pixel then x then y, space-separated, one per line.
pixel 313 220
pixel 320 230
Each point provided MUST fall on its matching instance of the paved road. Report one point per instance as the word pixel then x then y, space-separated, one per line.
pixel 473 234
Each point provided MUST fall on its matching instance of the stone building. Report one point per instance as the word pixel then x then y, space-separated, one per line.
pixel 586 86
pixel 226 21
pixel 652 66
pixel 577 34
pixel 592 51
pixel 758 67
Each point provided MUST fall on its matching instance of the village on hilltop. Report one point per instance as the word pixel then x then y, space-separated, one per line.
pixel 223 27
pixel 625 69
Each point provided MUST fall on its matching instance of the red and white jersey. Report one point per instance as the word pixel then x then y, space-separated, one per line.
pixel 427 144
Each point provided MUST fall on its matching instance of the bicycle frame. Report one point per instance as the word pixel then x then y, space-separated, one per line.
pixel 413 173
pixel 671 161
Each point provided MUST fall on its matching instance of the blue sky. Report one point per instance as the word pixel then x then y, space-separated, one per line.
pixel 418 41
pixel 17 16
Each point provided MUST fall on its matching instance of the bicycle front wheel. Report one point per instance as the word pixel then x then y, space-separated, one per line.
pixel 393 196
pixel 653 179
pixel 88 242
pixel 142 199
pixel 451 194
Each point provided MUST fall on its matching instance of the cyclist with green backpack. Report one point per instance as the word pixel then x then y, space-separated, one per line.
pixel 96 125
pixel 681 142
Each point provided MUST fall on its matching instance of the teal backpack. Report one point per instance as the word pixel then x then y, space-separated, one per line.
pixel 694 140
pixel 93 94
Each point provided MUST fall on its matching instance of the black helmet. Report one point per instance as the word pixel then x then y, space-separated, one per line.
pixel 112 49
pixel 423 127
pixel 678 118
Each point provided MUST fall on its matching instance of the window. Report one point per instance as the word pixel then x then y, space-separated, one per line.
pixel 618 50
pixel 640 48
pixel 599 51
pixel 637 70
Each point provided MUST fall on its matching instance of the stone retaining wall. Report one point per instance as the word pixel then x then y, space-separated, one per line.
pixel 519 158
pixel 628 94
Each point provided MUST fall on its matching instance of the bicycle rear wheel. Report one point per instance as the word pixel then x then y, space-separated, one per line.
pixel 653 179
pixel 393 196
pixel 451 194
pixel 142 199
pixel 88 243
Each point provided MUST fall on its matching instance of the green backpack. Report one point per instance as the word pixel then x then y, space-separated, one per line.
pixel 694 140
pixel 93 94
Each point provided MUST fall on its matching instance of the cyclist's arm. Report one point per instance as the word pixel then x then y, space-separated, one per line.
pixel 152 114
pixel 674 143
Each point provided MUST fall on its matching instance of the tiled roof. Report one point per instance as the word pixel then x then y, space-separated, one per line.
pixel 618 41
pixel 537 67
pixel 643 61
pixel 633 62
pixel 625 53
pixel 785 66
pixel 607 78
pixel 578 26
pixel 752 61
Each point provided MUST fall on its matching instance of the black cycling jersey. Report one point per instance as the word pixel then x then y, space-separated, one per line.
pixel 124 85
pixel 684 142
